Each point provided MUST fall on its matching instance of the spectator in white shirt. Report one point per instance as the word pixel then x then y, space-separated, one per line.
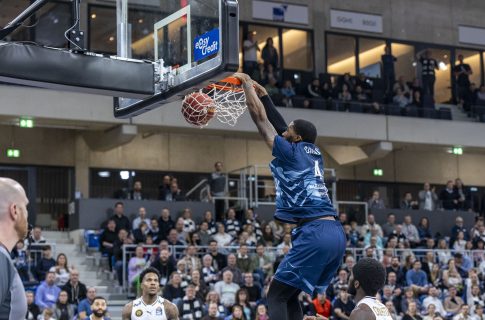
pixel 428 198
pixel 433 298
pixel 250 48
pixel 410 231
pixel 141 217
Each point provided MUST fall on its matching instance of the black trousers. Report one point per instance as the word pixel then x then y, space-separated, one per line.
pixel 428 84
pixel 283 302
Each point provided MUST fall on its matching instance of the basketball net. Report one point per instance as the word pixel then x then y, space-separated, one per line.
pixel 228 100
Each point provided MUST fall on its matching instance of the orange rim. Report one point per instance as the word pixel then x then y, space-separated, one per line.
pixel 227 84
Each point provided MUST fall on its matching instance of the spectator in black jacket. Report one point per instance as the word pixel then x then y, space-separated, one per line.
pixel 164 188
pixel 464 200
pixel 122 222
pixel 165 266
pixel 449 197
pixel 165 223
pixel 44 264
pixel 139 235
pixel 137 193
pixel 269 54
pixel 33 310
pixel 75 289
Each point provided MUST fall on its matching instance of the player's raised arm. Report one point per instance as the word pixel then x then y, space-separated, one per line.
pixel 126 313
pixel 274 117
pixel 256 110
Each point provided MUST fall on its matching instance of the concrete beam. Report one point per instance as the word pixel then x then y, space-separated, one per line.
pixel 351 155
pixel 111 138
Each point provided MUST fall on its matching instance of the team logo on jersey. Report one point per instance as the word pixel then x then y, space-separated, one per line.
pixel 138 313
pixel 159 311
pixel 137 304
pixel 312 151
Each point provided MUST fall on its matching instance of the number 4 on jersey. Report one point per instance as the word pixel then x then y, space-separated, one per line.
pixel 318 172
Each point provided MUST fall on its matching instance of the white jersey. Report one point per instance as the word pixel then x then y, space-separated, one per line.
pixel 380 310
pixel 142 311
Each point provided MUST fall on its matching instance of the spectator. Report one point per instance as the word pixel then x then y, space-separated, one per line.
pixel 427 198
pixel 173 290
pixel 287 90
pixel 262 263
pixel 35 238
pixel 213 297
pixel 221 236
pixel 212 312
pixel 269 54
pixel 121 221
pixel 47 293
pixel 327 91
pixel 84 307
pixel 209 273
pixel 140 234
pixel 428 67
pixel 165 224
pixel 401 84
pixel 457 228
pixel 339 283
pixel 392 310
pixel 45 263
pixel 360 95
pixel 444 254
pixel 424 230
pixel 201 288
pixel 410 232
pixel 232 266
pixel 400 99
pixel 217 188
pixel 189 224
pixel 175 193
pixel 449 197
pixel 261 312
pixel 250 49
pixel 416 278
pixel 460 242
pixel 313 89
pixel 227 289
pixel 322 305
pixel 192 261
pixel 433 299
pixel 211 223
pixel 47 314
pixel 190 307
pixel 451 276
pixel 464 200
pixel 62 309
pixel 242 300
pixel 388 73
pixel 272 87
pixel 164 188
pixel 344 94
pixel 412 312
pixel 231 224
pixel 237 313
pixel 480 95
pixel 251 219
pixel 474 296
pixel 253 290
pixel 399 236
pixel 464 313
pixel 416 100
pixel 137 193
pixel 154 231
pixel 408 203
pixel 219 260
pixel 243 261
pixel 165 266
pixel 285 243
pixel 136 265
pixel 370 225
pixel 75 289
pixel 389 226
pixel 121 240
pixel 462 71
pixel 343 306
pixel 364 83
pixel 479 313
pixel 453 302
pixel 21 261
pixel 141 217
pixel 375 202
pixel 33 310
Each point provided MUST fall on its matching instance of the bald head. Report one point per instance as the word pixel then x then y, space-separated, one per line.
pixel 13 212
pixel 11 192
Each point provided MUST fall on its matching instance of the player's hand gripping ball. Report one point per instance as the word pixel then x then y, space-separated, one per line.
pixel 198 108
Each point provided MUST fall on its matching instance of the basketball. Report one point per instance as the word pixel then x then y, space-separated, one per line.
pixel 198 108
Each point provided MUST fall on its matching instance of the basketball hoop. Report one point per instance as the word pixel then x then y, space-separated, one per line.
pixel 224 99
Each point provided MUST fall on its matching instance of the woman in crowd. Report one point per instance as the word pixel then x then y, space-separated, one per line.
pixel 431 312
pixel 460 242
pixel 236 313
pixel 412 312
pixel 173 290
pixel 409 299
pixel 435 276
pixel 242 299
pixel 444 254
pixel 424 230
pixel 61 270
pixel 62 309
pixel 451 276
pixel 200 286
pixel 135 266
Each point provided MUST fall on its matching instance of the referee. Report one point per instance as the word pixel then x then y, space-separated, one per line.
pixel 14 227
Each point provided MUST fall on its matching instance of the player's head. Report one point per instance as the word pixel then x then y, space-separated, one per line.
pixel 368 275
pixel 99 306
pixel 150 281
pixel 301 130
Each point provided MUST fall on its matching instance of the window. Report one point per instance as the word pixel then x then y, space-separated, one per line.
pixel 54 19
pixel 297 50
pixel 370 52
pixel 442 92
pixel 405 66
pixel 261 35
pixel 471 58
pixel 10 10
pixel 340 54
pixel 102 29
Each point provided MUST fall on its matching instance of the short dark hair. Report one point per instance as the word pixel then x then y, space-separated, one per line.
pixel 149 270
pixel 306 130
pixel 119 203
pixel 99 298
pixel 371 275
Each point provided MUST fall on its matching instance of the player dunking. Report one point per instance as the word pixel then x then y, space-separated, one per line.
pixel 368 277
pixel 302 199
pixel 150 306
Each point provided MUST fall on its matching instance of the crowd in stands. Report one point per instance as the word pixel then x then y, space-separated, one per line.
pixel 222 269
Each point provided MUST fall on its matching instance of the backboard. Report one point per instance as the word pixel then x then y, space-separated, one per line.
pixel 189 42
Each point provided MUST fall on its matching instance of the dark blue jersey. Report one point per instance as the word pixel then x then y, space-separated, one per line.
pixel 300 188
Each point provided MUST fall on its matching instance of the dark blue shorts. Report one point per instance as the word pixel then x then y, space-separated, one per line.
pixel 317 252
